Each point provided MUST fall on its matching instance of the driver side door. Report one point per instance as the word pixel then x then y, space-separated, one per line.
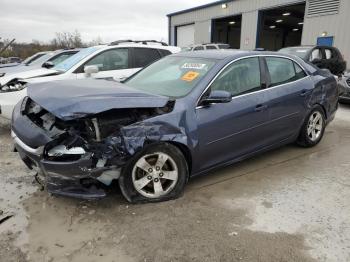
pixel 228 131
pixel 112 64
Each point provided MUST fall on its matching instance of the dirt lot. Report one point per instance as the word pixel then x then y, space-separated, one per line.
pixel 291 204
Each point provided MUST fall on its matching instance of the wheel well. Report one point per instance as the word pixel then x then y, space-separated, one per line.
pixel 324 110
pixel 185 151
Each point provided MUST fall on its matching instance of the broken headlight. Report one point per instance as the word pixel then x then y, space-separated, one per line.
pixel 13 85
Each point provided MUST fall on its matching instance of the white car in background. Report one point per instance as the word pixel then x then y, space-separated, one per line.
pixel 115 61
pixel 45 61
pixel 27 61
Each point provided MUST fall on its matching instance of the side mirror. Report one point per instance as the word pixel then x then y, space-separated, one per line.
pixel 48 65
pixel 91 69
pixel 216 97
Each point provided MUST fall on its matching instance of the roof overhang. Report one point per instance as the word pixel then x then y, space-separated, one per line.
pixel 200 7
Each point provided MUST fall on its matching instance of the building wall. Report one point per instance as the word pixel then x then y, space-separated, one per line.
pixel 336 25
pixel 248 9
pixel 202 31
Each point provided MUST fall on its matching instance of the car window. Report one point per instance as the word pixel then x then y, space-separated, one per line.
pixel 145 56
pixel 211 47
pixel 283 70
pixel 60 58
pixel 328 53
pixel 299 72
pixel 31 59
pixel 113 59
pixel 315 54
pixel 224 46
pixel 164 52
pixel 171 76
pixel 197 48
pixel 240 77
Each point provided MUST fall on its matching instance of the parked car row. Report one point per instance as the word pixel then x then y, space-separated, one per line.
pixel 9 61
pixel 181 116
pixel 117 61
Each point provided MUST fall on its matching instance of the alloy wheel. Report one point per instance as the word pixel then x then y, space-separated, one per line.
pixel 315 126
pixel 155 175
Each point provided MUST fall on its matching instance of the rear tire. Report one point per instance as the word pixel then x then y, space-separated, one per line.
pixel 157 173
pixel 313 128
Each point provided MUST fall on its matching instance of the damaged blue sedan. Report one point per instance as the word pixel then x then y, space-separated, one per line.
pixel 182 116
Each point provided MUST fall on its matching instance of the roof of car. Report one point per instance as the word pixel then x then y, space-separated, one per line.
pixel 299 47
pixel 227 54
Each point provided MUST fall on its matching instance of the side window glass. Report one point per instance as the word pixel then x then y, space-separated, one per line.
pixel 316 54
pixel 328 53
pixel 145 56
pixel 198 48
pixel 299 72
pixel 164 52
pixel 211 47
pixel 114 59
pixel 281 70
pixel 239 78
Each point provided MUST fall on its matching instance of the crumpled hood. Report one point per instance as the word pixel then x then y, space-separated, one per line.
pixel 25 74
pixel 72 99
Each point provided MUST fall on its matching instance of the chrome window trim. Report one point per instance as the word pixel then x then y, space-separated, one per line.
pixel 251 56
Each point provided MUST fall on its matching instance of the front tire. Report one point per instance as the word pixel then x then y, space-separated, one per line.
pixel 157 173
pixel 313 129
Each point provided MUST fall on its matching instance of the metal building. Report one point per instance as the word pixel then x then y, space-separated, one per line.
pixel 269 24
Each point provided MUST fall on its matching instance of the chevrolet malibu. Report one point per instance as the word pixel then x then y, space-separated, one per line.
pixel 180 117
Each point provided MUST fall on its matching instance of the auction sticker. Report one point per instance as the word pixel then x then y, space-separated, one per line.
pixel 190 76
pixel 197 66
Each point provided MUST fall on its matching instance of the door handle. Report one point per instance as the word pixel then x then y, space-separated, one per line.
pixel 260 108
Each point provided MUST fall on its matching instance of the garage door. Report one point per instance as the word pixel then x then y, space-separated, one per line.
pixel 185 35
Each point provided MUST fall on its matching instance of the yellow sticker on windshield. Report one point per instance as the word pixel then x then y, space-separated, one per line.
pixel 190 76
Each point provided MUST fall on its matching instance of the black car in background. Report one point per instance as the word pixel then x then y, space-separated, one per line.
pixel 344 84
pixel 324 57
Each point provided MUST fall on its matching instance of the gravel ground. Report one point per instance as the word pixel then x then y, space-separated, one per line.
pixel 291 204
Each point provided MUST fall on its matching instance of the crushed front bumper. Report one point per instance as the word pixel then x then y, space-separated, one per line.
pixel 62 178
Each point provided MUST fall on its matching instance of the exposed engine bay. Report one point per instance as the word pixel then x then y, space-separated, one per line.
pixel 95 146
pixel 91 134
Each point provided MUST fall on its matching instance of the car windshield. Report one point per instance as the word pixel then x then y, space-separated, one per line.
pixel 297 51
pixel 171 76
pixel 74 59
pixel 32 58
pixel 42 59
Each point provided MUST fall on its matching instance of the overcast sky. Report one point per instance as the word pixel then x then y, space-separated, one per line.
pixel 26 20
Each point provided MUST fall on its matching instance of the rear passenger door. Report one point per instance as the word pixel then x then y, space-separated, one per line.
pixel 142 57
pixel 288 90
